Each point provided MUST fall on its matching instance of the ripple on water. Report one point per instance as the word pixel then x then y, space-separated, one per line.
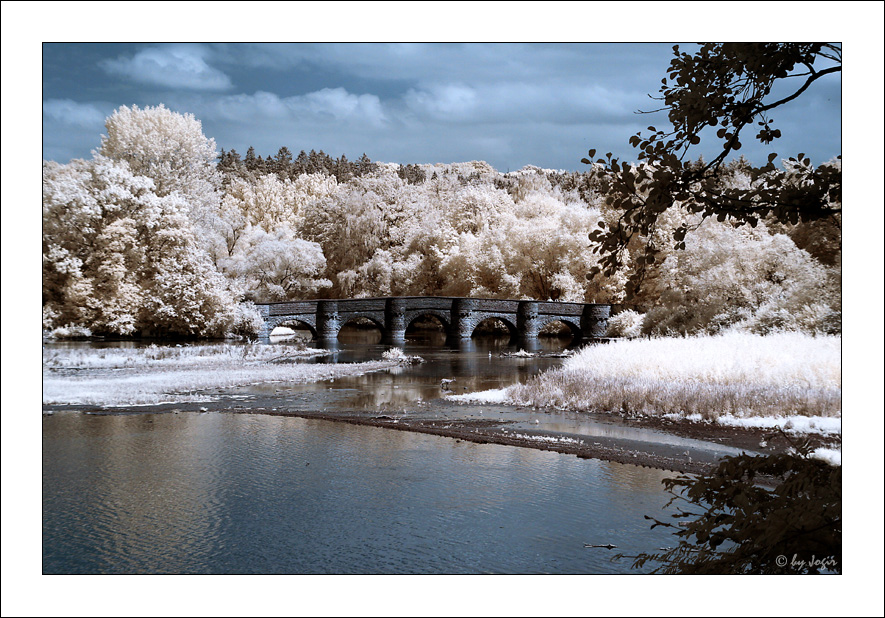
pixel 226 493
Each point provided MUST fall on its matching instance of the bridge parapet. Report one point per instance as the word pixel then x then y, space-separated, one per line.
pixel 308 306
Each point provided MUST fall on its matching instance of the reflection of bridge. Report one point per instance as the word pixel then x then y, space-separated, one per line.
pixel 459 316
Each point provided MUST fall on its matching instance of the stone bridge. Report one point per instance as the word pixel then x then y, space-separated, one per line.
pixel 459 316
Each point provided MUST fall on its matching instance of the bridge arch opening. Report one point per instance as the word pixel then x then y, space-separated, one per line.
pixel 292 331
pixel 428 328
pixel 361 330
pixel 495 329
pixel 559 334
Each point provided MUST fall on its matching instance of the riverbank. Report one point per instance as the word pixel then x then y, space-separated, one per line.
pixel 276 380
pixel 124 377
pixel 681 446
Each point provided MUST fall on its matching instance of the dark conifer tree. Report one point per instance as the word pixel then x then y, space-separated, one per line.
pixel 282 163
pixel 251 161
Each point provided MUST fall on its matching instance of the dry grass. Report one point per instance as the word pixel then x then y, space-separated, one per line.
pixel 171 356
pixel 734 374
pixel 141 376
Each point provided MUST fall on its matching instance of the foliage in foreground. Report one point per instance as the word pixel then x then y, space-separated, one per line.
pixel 729 86
pixel 732 525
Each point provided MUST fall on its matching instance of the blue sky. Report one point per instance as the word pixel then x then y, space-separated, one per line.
pixel 508 104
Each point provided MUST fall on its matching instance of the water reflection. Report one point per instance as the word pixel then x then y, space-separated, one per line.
pixel 471 365
pixel 226 493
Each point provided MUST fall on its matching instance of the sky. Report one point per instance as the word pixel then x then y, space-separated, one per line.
pixel 510 104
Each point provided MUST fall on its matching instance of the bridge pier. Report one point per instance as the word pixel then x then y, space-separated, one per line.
pixel 594 321
pixel 528 324
pixel 462 320
pixel 328 323
pixel 394 321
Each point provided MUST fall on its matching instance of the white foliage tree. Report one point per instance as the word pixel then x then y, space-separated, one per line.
pixel 258 242
pixel 278 265
pixel 170 149
pixel 119 259
pixel 742 278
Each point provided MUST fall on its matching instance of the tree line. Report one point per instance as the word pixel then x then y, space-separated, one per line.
pixel 157 234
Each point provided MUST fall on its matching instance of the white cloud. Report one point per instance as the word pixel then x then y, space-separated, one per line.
pixel 172 67
pixel 70 112
pixel 443 101
pixel 335 104
pixel 551 102
pixel 342 104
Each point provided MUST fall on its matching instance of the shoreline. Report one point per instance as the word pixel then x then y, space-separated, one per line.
pixel 659 455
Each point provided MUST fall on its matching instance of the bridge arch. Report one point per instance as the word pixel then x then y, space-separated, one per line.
pixel 444 319
pixel 574 326
pixel 359 321
pixel 273 323
pixel 506 320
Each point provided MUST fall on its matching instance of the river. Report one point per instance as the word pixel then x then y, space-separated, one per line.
pixel 222 492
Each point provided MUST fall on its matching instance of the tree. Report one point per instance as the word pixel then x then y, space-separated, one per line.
pixel 279 265
pixel 741 278
pixel 167 147
pixel 778 513
pixel 727 86
pixel 281 164
pixel 119 259
pixel 170 149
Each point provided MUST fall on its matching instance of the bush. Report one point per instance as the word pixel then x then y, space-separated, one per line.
pixel 70 331
pixel 736 525
pixel 247 321
pixel 627 323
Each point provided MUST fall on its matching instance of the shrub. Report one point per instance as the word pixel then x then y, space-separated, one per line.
pixel 627 323
pixel 70 331
pixel 736 525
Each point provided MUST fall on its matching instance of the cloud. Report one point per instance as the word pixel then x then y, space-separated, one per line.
pixel 72 129
pixel 552 102
pixel 328 104
pixel 171 67
pixel 70 112
pixel 443 101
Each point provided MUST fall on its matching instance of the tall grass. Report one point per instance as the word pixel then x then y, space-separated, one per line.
pixel 736 374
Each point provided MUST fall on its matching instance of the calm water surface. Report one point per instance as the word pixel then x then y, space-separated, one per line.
pixel 228 493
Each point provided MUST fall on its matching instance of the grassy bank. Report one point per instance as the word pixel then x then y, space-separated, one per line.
pixel 177 374
pixel 736 378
